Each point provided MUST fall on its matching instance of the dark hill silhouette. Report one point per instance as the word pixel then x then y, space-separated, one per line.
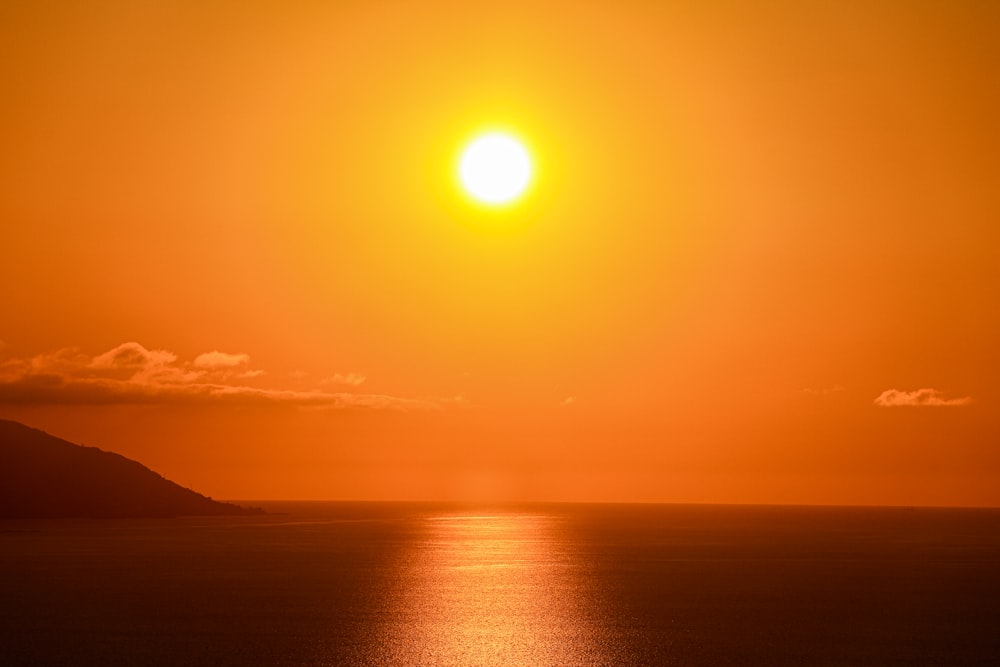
pixel 44 476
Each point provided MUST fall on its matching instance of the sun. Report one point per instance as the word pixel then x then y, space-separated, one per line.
pixel 495 168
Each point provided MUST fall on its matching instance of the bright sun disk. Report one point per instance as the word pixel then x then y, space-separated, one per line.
pixel 495 168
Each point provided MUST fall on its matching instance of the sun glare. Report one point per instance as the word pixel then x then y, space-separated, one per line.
pixel 495 168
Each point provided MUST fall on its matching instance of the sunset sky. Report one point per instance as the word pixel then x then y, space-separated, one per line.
pixel 759 260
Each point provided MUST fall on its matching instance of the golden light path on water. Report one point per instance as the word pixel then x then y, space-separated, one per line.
pixel 495 589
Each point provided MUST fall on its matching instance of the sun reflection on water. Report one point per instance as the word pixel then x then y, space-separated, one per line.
pixel 493 589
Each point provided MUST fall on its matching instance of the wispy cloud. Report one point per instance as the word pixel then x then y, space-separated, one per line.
pixel 216 359
pixel 351 379
pixel 892 398
pixel 131 373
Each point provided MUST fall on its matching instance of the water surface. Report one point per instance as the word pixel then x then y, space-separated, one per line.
pixel 423 584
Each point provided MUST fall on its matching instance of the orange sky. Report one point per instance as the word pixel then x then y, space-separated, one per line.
pixel 759 262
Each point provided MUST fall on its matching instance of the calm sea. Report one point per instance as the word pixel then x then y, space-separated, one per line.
pixel 422 584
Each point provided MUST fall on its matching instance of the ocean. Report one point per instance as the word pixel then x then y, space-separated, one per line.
pixel 546 584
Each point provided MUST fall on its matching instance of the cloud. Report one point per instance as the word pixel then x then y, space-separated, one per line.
pixel 891 398
pixel 134 363
pixel 133 356
pixel 352 379
pixel 133 374
pixel 215 359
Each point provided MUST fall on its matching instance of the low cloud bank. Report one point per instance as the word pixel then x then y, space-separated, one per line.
pixel 132 374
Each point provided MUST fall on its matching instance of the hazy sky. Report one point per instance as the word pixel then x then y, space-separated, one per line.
pixel 759 262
